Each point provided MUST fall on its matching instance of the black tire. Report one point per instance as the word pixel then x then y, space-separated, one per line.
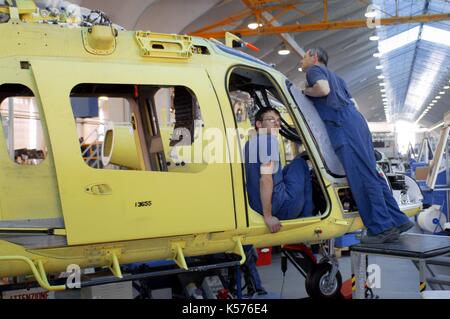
pixel 314 283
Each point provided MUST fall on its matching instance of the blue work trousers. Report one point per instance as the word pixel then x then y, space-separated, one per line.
pixel 353 145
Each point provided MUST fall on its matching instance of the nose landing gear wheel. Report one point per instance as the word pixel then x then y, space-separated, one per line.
pixel 319 285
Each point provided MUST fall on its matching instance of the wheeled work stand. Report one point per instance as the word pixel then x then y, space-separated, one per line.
pixel 416 247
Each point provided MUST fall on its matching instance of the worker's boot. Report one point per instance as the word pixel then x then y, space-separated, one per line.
pixel 388 236
pixel 405 227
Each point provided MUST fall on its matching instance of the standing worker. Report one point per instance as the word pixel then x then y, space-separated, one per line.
pixel 352 141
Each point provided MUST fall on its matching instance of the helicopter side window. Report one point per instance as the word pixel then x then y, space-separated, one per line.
pixel 136 127
pixel 22 126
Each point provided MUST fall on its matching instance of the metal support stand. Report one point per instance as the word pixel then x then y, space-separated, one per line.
pixel 415 247
pixel 359 274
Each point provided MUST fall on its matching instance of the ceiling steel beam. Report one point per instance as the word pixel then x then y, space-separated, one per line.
pixel 287 38
pixel 330 25
pixel 227 21
pixel 270 20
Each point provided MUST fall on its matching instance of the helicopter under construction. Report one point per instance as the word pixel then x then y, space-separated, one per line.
pixel 134 144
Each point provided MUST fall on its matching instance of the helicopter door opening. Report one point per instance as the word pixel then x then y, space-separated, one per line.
pixel 29 196
pixel 250 90
pixel 128 203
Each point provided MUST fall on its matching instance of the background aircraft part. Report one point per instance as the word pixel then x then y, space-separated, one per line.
pixel 120 147
pixel 432 219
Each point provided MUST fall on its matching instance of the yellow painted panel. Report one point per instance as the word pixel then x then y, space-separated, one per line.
pixel 182 203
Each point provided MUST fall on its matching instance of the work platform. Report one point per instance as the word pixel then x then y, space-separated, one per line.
pixel 415 247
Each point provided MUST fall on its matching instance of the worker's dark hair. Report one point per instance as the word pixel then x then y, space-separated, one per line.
pixel 260 114
pixel 322 55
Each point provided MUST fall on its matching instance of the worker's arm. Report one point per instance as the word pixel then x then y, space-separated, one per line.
pixel 266 189
pixel 319 89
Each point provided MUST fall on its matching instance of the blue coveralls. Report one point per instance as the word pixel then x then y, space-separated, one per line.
pixel 292 187
pixel 352 141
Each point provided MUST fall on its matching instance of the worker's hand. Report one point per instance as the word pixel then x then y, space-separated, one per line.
pixel 273 223
pixel 303 86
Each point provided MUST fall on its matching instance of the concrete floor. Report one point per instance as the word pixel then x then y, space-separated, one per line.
pixel 399 278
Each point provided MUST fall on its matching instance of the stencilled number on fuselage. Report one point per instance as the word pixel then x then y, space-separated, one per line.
pixel 143 204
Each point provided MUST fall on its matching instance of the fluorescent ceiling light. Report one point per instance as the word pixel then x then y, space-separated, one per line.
pixel 300 69
pixel 434 101
pixel 380 77
pixel 379 67
pixel 283 52
pixel 383 90
pixel 431 104
pixel 442 92
pixel 253 25
pixel 374 38
pixel 382 84
pixel 370 14
pixel 437 97
pixel 436 35
pixel 377 55
pixel 446 87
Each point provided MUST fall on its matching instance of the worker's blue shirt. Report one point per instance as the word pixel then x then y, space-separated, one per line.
pixel 339 97
pixel 262 149
pixel 292 188
pixel 330 107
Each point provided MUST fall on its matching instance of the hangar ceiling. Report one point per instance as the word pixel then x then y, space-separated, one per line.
pixel 413 74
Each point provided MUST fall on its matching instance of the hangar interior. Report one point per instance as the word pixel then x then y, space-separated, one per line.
pixel 137 105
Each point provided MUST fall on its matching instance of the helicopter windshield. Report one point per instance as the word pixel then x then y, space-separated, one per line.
pixel 318 130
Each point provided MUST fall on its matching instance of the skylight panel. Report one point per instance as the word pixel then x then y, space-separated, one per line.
pixel 398 40
pixel 436 35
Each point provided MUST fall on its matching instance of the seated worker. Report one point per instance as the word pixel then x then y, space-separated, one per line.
pixel 276 193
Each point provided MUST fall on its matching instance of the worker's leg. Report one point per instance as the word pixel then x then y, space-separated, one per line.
pixel 298 188
pixel 366 190
pixel 397 215
pixel 362 141
pixel 254 279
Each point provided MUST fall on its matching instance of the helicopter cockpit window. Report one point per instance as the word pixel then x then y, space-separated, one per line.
pixel 251 90
pixel 22 126
pixel 136 127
